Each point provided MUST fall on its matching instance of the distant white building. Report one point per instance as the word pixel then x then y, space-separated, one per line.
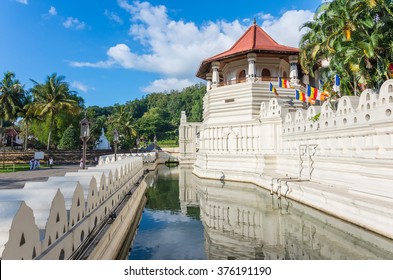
pixel 102 143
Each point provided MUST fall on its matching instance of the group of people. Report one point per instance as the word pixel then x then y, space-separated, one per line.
pixel 34 164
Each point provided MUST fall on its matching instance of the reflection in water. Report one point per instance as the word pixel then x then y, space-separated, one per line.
pixel 169 229
pixel 241 221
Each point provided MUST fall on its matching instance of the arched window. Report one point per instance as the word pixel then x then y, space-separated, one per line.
pixel 284 74
pixel 241 76
pixel 265 75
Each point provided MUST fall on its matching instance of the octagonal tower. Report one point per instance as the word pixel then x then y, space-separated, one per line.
pixel 238 79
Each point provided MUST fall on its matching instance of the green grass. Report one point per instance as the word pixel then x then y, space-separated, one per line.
pixel 168 144
pixel 13 167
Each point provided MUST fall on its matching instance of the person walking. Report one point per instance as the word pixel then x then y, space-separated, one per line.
pixel 36 164
pixel 50 162
pixel 31 163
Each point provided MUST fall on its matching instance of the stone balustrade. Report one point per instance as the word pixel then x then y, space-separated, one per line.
pixel 355 126
pixel 50 220
pixel 146 157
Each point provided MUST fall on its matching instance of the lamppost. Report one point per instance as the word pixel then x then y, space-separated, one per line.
pixel 115 141
pixel 85 135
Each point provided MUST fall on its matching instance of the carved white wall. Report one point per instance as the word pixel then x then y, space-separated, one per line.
pixel 49 220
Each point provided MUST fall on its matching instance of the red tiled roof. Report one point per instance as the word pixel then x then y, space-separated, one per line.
pixel 253 40
pixel 12 132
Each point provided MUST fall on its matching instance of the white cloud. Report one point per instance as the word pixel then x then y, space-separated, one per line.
pixel 113 16
pixel 99 64
pixel 167 84
pixel 23 1
pixel 264 16
pixel 82 87
pixel 285 29
pixel 71 22
pixel 175 49
pixel 52 11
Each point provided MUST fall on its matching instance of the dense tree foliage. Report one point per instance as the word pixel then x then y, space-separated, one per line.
pixel 355 37
pixel 49 114
pixel 12 95
pixel 54 102
pixel 70 139
pixel 157 114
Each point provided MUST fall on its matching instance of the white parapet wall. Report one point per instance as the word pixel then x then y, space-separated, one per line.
pixel 146 157
pixel 337 157
pixel 188 139
pixel 52 219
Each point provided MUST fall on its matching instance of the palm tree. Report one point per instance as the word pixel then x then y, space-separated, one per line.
pixel 356 37
pixel 11 95
pixel 123 121
pixel 28 115
pixel 52 97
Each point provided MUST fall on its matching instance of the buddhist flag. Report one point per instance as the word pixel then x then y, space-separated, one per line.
pixel 311 101
pixel 322 95
pixel 337 83
pixel 273 89
pixel 300 96
pixel 283 83
pixel 312 92
pixel 320 84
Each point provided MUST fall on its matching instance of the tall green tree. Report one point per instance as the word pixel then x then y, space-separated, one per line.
pixel 122 120
pixel 11 97
pixel 52 97
pixel 70 139
pixel 155 122
pixel 355 37
pixel 28 115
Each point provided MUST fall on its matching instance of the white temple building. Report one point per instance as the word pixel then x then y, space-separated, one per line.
pixel 337 159
pixel 102 143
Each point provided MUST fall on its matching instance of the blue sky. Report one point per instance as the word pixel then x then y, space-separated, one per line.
pixel 113 51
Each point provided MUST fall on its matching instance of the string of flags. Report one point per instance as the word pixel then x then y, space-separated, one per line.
pixel 311 93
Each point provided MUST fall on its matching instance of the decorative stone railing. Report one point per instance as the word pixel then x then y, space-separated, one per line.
pixel 241 138
pixel 360 126
pixel 146 157
pixel 50 220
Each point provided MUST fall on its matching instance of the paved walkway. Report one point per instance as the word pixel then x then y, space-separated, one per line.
pixel 17 180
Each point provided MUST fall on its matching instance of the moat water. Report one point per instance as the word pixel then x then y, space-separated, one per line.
pixel 187 218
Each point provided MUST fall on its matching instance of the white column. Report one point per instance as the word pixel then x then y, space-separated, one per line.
pixel 216 75
pixel 209 81
pixel 293 60
pixel 183 117
pixel 252 57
